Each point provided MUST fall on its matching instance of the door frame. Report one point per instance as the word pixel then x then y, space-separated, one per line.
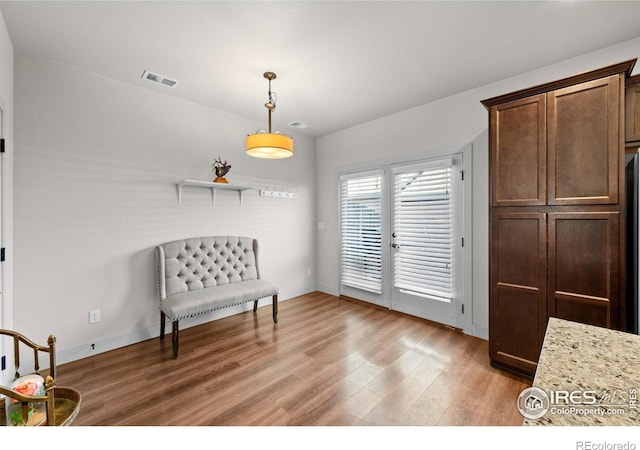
pixel 3 299
pixel 463 321
pixel 2 218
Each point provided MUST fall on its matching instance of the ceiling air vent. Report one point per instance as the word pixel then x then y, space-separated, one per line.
pixel 297 124
pixel 160 79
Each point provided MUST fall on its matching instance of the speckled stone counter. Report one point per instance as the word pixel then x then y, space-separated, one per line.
pixel 591 376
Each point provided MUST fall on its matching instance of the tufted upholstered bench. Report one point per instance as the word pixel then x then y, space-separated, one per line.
pixel 200 275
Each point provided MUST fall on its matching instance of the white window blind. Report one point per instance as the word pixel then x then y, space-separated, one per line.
pixel 361 254
pixel 423 231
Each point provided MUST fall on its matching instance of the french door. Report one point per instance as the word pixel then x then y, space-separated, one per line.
pixel 426 240
pixel 362 253
pixel 401 237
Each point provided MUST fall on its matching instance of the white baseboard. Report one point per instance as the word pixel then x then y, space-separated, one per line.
pixel 329 290
pixel 480 332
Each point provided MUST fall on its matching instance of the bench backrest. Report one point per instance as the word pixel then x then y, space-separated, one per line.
pixel 198 263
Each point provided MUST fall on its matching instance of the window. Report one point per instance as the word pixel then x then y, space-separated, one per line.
pixel 361 253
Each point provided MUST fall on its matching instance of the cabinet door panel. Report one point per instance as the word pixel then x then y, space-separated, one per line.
pixel 518 152
pixel 632 116
pixel 517 310
pixel 584 267
pixel 584 143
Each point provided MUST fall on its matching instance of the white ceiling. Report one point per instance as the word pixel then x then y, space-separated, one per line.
pixel 338 63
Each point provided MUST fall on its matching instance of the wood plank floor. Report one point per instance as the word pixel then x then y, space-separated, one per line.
pixel 328 362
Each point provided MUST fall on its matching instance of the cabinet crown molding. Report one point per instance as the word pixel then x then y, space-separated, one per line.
pixel 623 67
pixel 632 81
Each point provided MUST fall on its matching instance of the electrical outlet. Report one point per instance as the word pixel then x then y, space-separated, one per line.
pixel 94 316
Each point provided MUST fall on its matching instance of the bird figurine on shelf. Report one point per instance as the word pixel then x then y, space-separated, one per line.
pixel 221 169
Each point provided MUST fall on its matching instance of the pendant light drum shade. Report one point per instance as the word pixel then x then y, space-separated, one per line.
pixel 269 145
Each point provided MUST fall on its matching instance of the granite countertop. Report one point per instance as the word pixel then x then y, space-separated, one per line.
pixel 590 375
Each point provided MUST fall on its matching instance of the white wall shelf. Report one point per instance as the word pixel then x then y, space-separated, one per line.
pixel 213 186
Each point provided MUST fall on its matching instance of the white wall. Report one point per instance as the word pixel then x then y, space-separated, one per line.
pixel 95 171
pixel 450 122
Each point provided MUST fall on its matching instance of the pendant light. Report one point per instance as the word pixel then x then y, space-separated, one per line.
pixel 265 144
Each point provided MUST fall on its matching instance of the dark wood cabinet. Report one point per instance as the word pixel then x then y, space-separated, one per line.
pixel 584 143
pixel 519 153
pixel 518 314
pixel 584 267
pixel 556 163
pixel 632 105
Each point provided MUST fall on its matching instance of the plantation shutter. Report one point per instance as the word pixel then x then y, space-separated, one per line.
pixel 423 231
pixel 361 254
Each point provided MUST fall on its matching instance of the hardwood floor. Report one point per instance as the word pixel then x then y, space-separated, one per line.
pixel 328 361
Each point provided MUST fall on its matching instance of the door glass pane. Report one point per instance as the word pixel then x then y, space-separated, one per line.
pixel 361 254
pixel 423 232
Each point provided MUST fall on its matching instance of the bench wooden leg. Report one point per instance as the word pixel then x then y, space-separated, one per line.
pixel 255 305
pixel 174 339
pixel 162 319
pixel 274 305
